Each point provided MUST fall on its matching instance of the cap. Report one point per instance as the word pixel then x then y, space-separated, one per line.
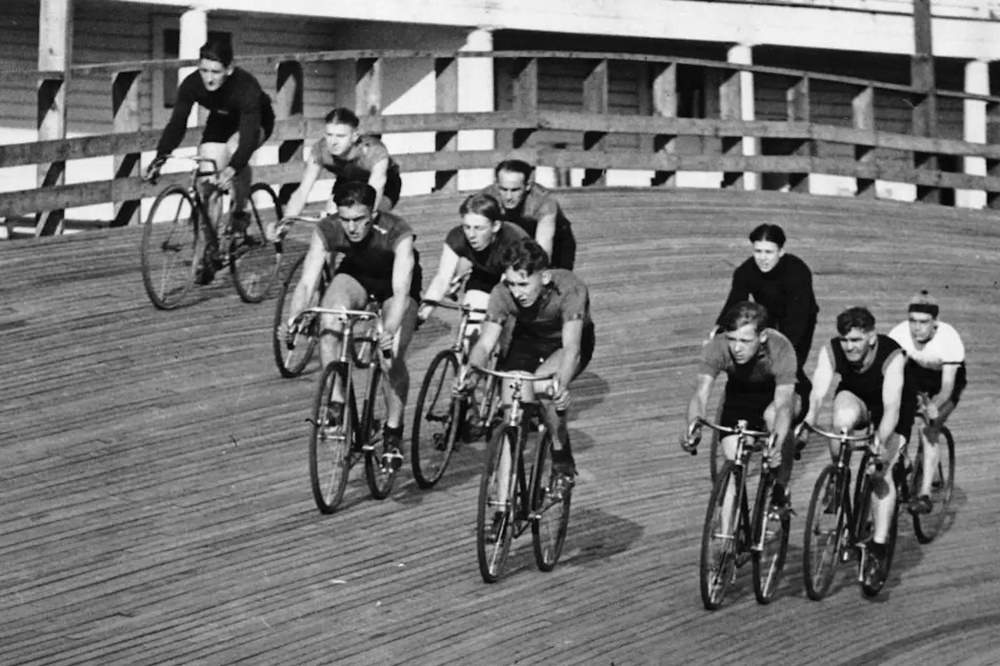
pixel 923 302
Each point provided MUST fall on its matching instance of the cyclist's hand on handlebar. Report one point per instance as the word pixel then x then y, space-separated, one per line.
pixel 689 440
pixel 386 342
pixel 801 436
pixel 153 170
pixel 225 178
pixel 560 396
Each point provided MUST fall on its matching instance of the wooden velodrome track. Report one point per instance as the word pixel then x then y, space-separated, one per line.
pixel 155 490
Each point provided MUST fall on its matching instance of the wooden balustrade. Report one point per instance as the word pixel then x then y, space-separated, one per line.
pixel 791 149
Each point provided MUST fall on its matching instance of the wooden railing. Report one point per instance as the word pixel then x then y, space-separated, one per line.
pixel 792 148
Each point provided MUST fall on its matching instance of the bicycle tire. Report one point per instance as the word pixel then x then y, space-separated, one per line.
pixel 550 516
pixel 718 550
pixel 824 532
pixel 495 521
pixel 292 359
pixel 927 527
pixel 380 477
pixel 254 260
pixel 169 247
pixel 435 421
pixel 330 449
pixel 768 562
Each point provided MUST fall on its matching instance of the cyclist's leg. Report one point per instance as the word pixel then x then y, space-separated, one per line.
pixel 474 298
pixel 218 152
pixel 783 457
pixel 849 413
pixel 344 292
pixel 884 490
pixel 397 373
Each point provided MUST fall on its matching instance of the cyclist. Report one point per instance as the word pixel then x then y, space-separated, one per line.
pixel 760 367
pixel 240 119
pixel 782 283
pixel 552 332
pixel 534 209
pixel 871 392
pixel 348 155
pixel 375 261
pixel 935 368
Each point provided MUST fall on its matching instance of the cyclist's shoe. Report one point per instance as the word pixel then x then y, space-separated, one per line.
pixel 493 531
pixel 563 478
pixel 921 505
pixel 332 427
pixel 781 500
pixel 392 457
pixel 239 221
pixel 470 429
pixel 875 568
pixel 207 265
pixel 830 499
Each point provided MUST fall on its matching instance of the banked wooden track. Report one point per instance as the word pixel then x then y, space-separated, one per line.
pixel 155 494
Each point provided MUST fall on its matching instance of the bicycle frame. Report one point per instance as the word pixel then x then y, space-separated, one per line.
pixel 485 407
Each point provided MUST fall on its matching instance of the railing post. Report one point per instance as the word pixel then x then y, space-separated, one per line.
pixel 595 100
pixel 797 104
pixel 125 119
pixel 993 139
pixel 55 38
pixel 925 116
pixel 446 101
pixel 664 105
pixel 525 97
pixel 731 108
pixel 288 106
pixel 863 107
pixel 368 86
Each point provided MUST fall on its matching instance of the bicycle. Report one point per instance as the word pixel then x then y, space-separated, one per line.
pixel 927 527
pixel 840 523
pixel 293 352
pixel 513 498
pixel 341 434
pixel 732 534
pixel 180 229
pixel 442 417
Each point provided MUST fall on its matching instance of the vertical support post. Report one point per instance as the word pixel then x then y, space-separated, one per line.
pixel 55 46
pixel 368 86
pixel 664 104
pixel 797 105
pixel 977 82
pixel 925 117
pixel 193 33
pixel 731 108
pixel 595 101
pixel 993 138
pixel 863 108
pixel 525 98
pixel 743 54
pixel 288 107
pixel 125 119
pixel 446 101
pixel 476 94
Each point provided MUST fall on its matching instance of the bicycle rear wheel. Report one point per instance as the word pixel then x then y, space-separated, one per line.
pixel 380 477
pixel 550 511
pixel 435 421
pixel 253 260
pixel 770 560
pixel 168 247
pixel 718 545
pixel 927 527
pixel 330 444
pixel 495 519
pixel 825 530
pixel 292 354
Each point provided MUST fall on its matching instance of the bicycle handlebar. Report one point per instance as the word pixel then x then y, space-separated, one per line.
pixel 728 430
pixel 516 375
pixel 448 305
pixel 343 313
pixel 839 436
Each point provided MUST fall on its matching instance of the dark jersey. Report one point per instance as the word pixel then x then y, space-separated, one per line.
pixel 787 293
pixel 370 262
pixel 564 298
pixel 358 163
pixel 774 365
pixel 487 266
pixel 539 203
pixel 866 381
pixel 239 102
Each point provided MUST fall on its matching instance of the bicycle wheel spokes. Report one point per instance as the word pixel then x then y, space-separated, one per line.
pixel 292 352
pixel 772 536
pixel 254 259
pixel 718 541
pixel 435 425
pixel 550 500
pixel 380 476
pixel 330 441
pixel 927 527
pixel 168 247
pixel 497 507
pixel 824 531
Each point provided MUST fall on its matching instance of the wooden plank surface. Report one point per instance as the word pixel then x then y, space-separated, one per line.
pixel 154 473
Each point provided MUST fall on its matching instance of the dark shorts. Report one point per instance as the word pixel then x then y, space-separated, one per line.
pixel 527 354
pixel 219 128
pixel 907 413
pixel 922 380
pixel 746 406
pixel 564 247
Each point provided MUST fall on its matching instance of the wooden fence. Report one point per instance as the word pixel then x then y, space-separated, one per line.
pixel 791 150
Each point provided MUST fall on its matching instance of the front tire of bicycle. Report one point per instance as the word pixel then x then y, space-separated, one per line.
pixel 168 249
pixel 823 534
pixel 253 260
pixel 380 477
pixel 291 355
pixel 495 519
pixel 927 527
pixel 768 562
pixel 550 512
pixel 331 440
pixel 718 547
pixel 435 421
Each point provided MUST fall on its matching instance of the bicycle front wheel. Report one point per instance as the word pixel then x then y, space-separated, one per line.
pixel 330 442
pixel 380 476
pixel 825 528
pixel 927 527
pixel 498 496
pixel 292 353
pixel 718 540
pixel 168 247
pixel 771 534
pixel 253 258
pixel 435 421
pixel 550 508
